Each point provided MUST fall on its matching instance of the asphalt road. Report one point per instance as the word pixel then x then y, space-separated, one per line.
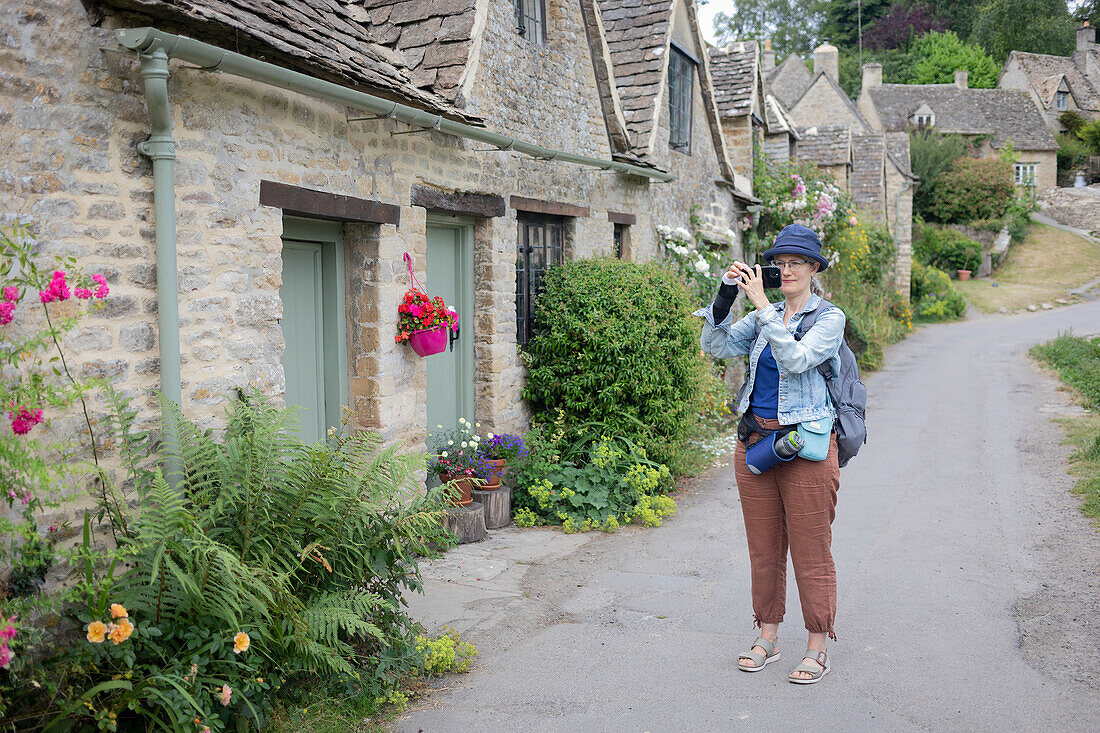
pixel 969 584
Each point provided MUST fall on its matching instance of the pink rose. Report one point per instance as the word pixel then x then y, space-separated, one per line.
pixel 11 294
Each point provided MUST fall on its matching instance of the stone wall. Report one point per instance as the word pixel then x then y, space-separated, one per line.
pixel 72 114
pixel 820 106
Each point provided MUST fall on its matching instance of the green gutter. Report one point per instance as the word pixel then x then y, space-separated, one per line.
pixel 212 58
pixel 161 148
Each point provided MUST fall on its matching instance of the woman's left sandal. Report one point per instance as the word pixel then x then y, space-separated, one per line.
pixel 816 673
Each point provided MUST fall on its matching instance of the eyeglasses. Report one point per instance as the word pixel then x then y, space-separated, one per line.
pixel 792 265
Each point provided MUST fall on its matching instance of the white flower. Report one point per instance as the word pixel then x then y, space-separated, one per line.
pixel 462 420
pixel 489 436
pixel 443 454
pixel 730 234
pixel 701 265
pixel 477 425
pixel 464 444
pixel 682 233
pixel 450 442
pixel 439 427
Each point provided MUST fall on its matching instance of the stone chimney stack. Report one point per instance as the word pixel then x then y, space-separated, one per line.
pixel 1086 37
pixel 872 75
pixel 769 55
pixel 962 79
pixel 827 59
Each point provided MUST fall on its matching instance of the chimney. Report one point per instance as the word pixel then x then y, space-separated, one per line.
pixel 872 75
pixel 827 59
pixel 769 55
pixel 962 77
pixel 1086 37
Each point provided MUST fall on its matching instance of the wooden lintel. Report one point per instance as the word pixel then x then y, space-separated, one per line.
pixel 458 203
pixel 617 217
pixel 556 208
pixel 308 202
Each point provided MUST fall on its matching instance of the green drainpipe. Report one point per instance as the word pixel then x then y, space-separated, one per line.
pixel 212 58
pixel 161 148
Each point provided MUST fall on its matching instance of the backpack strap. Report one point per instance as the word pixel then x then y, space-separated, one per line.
pixel 806 324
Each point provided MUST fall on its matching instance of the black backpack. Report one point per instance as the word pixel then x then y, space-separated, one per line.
pixel 846 390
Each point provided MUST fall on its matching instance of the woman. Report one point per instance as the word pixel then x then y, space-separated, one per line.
pixel 793 503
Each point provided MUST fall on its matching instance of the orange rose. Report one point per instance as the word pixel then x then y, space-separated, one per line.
pixel 97 632
pixel 118 611
pixel 121 631
pixel 241 642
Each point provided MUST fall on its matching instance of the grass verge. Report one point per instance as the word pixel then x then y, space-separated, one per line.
pixel 1077 361
pixel 1040 269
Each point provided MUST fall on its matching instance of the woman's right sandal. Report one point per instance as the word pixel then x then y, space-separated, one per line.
pixel 761 660
pixel 816 674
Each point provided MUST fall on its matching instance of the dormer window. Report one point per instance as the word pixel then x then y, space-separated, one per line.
pixel 529 20
pixel 923 120
pixel 923 117
pixel 1061 100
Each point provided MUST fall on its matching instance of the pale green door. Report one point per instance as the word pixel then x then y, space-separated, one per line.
pixel 314 360
pixel 451 276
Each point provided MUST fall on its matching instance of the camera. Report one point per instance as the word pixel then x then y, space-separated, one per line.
pixel 771 276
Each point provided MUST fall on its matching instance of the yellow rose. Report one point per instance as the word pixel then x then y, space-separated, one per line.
pixel 97 632
pixel 118 611
pixel 121 631
pixel 241 642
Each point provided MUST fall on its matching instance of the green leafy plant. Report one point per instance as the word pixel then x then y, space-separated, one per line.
pixel 939 54
pixel 932 153
pixel 947 249
pixel 974 189
pixel 615 344
pixel 933 296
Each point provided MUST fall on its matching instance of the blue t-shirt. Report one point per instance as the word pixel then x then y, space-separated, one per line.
pixel 765 390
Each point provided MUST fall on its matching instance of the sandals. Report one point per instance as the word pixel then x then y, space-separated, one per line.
pixel 761 660
pixel 816 674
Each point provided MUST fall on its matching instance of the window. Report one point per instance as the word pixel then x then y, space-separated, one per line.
pixel 539 246
pixel 681 71
pixel 529 20
pixel 620 240
pixel 924 120
pixel 1025 174
pixel 1061 100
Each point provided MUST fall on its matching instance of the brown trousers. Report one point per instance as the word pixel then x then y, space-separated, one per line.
pixel 791 504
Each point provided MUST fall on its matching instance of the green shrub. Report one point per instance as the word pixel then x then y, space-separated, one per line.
pixel 932 294
pixel 866 253
pixel 1090 135
pixel 947 249
pixel 932 153
pixel 875 318
pixel 446 653
pixel 1072 151
pixel 1077 360
pixel 615 344
pixel 974 189
pixel 1072 121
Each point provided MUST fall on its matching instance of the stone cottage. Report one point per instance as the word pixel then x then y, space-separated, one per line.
pixel 830 132
pixel 249 176
pixel 1058 84
pixel 751 114
pixel 994 116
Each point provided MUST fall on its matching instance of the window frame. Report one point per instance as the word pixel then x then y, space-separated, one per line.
pixel 924 121
pixel 1025 174
pixel 1061 101
pixel 523 10
pixel 680 65
pixel 552 246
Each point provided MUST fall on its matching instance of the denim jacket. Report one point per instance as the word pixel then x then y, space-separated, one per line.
pixel 803 394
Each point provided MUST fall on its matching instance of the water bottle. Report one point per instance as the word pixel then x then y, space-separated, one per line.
pixel 788 446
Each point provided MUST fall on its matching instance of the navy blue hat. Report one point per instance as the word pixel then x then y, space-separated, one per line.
pixel 795 239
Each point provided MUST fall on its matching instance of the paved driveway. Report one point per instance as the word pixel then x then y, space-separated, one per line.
pixel 969 591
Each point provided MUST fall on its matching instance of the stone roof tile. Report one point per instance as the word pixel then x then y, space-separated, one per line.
pixel 1046 72
pixel 734 70
pixel 1003 113
pixel 824 145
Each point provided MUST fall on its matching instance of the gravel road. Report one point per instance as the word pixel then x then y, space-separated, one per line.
pixel 969 584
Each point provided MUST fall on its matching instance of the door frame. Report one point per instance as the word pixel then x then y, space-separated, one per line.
pixel 463 228
pixel 330 236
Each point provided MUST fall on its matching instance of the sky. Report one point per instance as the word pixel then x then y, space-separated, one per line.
pixel 707 13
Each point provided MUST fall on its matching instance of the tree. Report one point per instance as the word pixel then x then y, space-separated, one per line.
pixel 899 25
pixel 792 26
pixel 1038 26
pixel 897 67
pixel 842 18
pixel 931 154
pixel 939 55
pixel 1088 10
pixel 960 14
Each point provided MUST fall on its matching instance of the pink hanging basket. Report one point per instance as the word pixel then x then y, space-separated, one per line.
pixel 429 341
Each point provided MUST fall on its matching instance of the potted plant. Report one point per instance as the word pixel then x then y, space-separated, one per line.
pixel 458 460
pixel 423 322
pixel 498 450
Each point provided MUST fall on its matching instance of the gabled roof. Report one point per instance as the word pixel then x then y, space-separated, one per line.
pixel 897 151
pixel 789 80
pixel 1002 113
pixel 734 69
pixel 778 118
pixel 1045 72
pixel 825 145
pixel 415 51
pixel 842 98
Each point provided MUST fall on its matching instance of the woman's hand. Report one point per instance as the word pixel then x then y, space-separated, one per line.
pixel 752 283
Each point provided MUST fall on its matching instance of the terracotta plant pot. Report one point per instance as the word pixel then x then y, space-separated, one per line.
pixel 429 340
pixel 496 471
pixel 963 274
pixel 465 484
